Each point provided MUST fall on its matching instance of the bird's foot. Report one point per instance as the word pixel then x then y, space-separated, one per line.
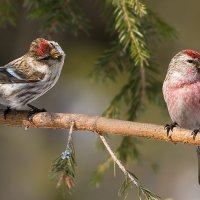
pixel 170 127
pixel 195 132
pixel 6 111
pixel 33 111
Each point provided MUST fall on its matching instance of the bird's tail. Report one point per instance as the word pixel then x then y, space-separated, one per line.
pixel 198 157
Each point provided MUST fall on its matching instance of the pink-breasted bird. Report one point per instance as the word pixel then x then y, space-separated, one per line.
pixel 30 76
pixel 181 90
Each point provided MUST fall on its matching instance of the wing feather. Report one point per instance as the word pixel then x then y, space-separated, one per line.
pixel 11 75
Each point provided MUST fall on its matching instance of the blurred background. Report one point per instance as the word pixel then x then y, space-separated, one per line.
pixel 26 155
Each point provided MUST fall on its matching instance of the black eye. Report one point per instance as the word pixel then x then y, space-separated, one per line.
pixel 46 58
pixel 190 61
pixel 52 58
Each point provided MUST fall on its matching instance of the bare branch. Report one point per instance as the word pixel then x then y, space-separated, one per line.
pixel 118 162
pixel 97 124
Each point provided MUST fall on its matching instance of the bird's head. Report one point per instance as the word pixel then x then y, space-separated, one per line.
pixel 184 66
pixel 46 51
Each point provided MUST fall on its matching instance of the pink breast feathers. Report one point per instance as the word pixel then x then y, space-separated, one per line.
pixel 183 100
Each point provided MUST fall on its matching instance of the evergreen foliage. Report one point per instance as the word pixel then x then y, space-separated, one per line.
pixel 57 15
pixel 133 28
pixel 63 169
pixel 7 13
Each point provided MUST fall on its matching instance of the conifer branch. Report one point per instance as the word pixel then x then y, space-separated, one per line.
pixel 97 124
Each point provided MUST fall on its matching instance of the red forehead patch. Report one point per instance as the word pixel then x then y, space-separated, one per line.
pixel 42 47
pixel 191 53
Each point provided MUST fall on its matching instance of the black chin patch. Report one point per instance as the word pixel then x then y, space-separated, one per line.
pixel 198 70
pixel 51 58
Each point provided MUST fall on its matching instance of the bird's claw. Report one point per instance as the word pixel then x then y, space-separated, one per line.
pixel 170 127
pixel 34 110
pixel 195 132
pixel 6 111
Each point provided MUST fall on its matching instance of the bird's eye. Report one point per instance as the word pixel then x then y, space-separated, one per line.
pixel 190 61
pixel 54 56
pixel 46 58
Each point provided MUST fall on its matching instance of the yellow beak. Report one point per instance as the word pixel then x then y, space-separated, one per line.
pixel 55 55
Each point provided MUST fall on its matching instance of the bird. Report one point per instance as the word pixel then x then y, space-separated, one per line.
pixel 181 91
pixel 25 79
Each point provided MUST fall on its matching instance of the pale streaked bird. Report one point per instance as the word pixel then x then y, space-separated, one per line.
pixel 30 76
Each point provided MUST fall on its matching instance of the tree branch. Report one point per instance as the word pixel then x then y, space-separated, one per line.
pixel 97 124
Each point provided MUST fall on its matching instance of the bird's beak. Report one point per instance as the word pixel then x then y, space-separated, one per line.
pixel 197 63
pixel 56 55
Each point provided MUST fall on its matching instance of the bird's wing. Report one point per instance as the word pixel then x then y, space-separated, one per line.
pixel 9 74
